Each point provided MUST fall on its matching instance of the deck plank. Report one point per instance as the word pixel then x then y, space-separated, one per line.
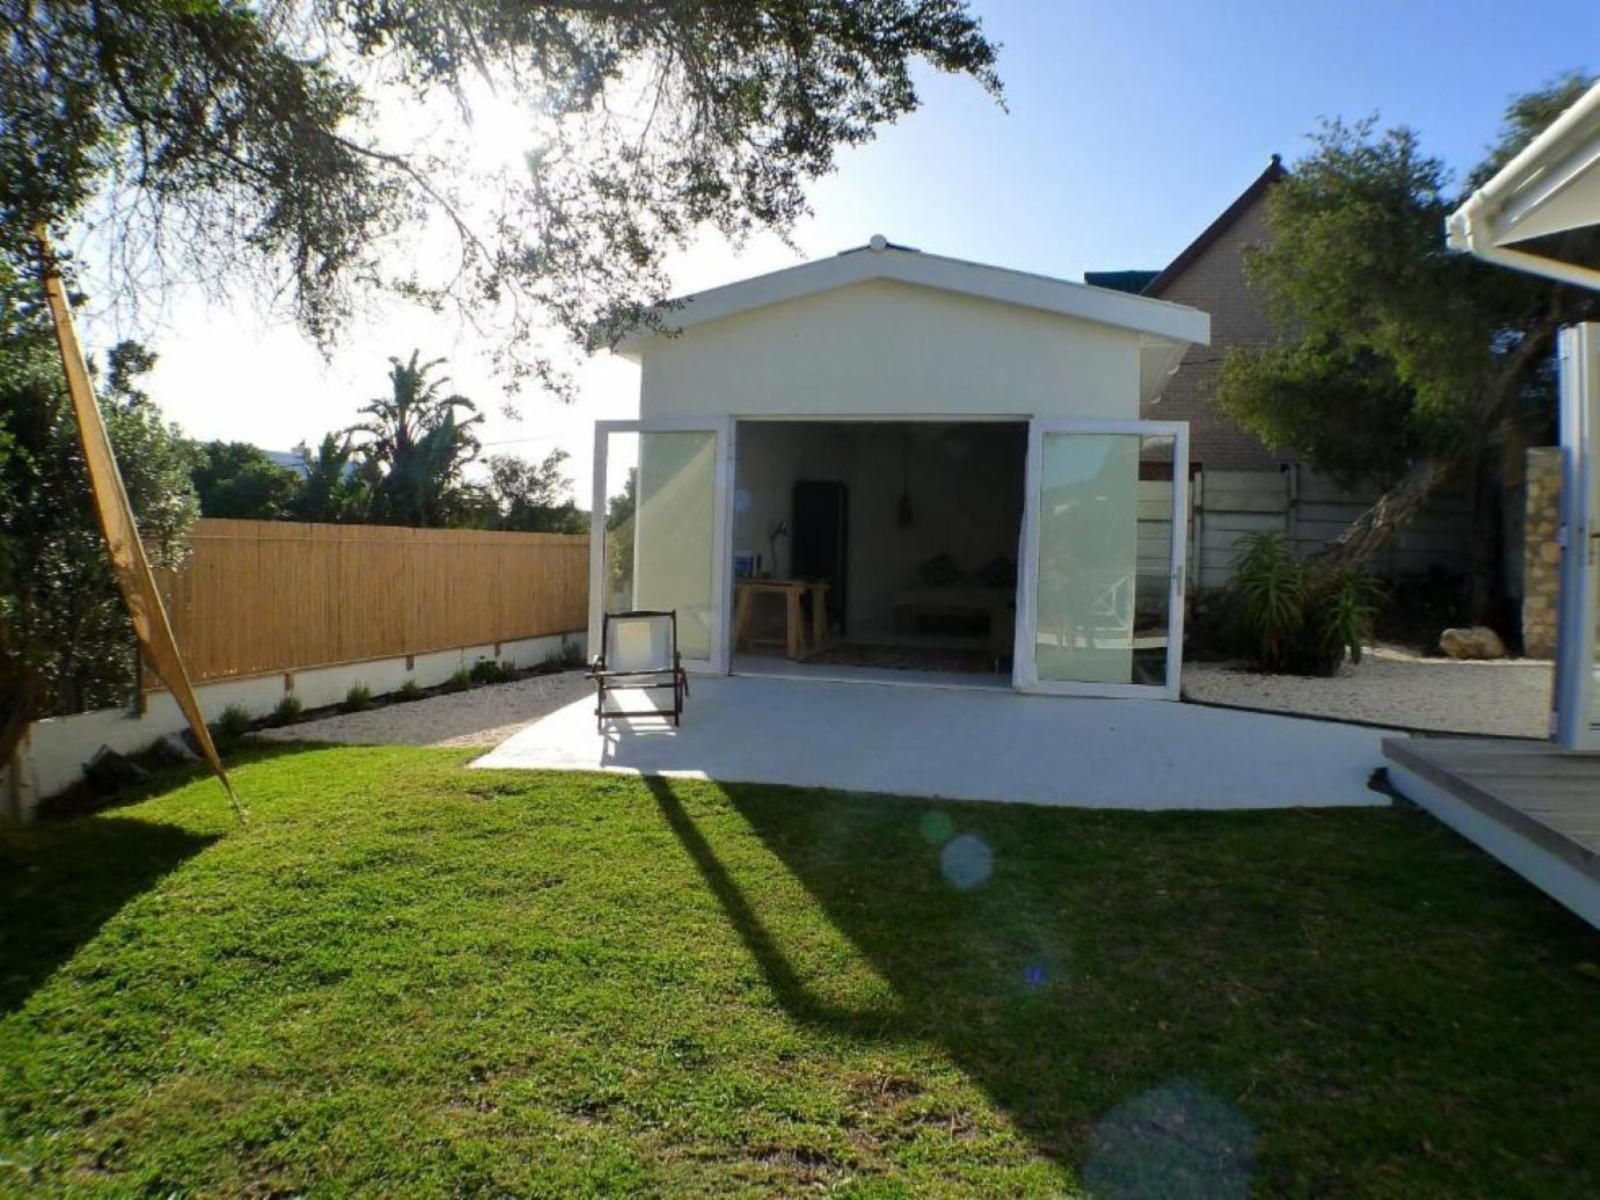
pixel 1548 795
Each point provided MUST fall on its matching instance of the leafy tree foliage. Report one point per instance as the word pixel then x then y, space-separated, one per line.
pixel 533 497
pixel 621 509
pixel 1403 362
pixel 280 139
pixel 415 443
pixel 236 479
pixel 62 621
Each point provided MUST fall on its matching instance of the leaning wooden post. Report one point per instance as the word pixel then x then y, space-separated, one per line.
pixel 128 561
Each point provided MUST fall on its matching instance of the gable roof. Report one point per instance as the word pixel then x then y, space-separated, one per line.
pixel 1186 257
pixel 1157 320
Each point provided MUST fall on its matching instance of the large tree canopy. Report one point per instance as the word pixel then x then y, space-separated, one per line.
pixel 1402 362
pixel 210 138
pixel 236 479
pixel 62 623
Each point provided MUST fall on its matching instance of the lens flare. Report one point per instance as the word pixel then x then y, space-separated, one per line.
pixel 966 861
pixel 936 827
pixel 1175 1140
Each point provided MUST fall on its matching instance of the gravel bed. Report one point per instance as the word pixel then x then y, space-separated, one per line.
pixel 1391 687
pixel 481 716
pixel 1396 688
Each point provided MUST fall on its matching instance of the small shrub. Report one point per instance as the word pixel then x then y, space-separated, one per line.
pixel 408 691
pixel 1293 616
pixel 460 681
pixel 357 699
pixel 232 725
pixel 487 670
pixel 571 654
pixel 288 710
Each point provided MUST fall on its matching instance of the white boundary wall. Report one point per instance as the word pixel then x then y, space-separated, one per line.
pixel 1309 509
pixel 54 750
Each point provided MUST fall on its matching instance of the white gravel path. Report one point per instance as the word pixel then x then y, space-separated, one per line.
pixel 483 716
pixel 1395 688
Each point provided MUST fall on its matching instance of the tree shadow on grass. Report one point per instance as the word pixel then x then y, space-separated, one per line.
pixel 1139 992
pixel 941 957
pixel 60 881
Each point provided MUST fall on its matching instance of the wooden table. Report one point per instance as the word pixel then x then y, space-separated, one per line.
pixel 745 592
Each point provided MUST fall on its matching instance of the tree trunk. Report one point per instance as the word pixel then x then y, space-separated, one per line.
pixel 1388 514
pixel 19 701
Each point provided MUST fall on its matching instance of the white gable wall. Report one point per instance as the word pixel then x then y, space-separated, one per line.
pixel 883 348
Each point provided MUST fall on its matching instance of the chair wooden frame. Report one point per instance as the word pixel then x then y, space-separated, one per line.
pixel 672 676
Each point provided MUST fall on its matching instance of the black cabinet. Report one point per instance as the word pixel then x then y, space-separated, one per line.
pixel 819 548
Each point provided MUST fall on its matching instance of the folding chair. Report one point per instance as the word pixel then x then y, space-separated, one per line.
pixel 639 650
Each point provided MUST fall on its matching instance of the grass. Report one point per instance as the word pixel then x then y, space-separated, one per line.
pixel 403 978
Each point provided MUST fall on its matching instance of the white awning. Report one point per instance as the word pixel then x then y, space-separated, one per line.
pixel 1552 186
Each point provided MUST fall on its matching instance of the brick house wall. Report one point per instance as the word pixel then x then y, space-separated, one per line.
pixel 1213 281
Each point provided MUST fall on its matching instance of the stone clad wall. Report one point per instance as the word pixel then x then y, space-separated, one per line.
pixel 1541 553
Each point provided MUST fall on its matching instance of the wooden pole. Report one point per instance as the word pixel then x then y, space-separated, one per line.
pixel 128 561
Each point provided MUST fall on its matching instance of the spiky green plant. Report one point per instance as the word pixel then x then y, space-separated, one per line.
pixel 288 710
pixel 357 699
pixel 1293 616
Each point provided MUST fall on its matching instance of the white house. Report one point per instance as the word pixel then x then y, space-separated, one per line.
pixel 954 449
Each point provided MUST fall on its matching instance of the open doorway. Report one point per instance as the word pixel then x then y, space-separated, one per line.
pixel 891 545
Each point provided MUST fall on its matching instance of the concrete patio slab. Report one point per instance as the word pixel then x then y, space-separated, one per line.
pixel 968 744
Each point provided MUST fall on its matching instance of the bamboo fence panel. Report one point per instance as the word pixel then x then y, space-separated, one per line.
pixel 262 596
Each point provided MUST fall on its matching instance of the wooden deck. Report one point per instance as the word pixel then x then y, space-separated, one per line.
pixel 1532 805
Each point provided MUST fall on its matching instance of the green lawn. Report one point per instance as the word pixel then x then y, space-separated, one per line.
pixel 407 979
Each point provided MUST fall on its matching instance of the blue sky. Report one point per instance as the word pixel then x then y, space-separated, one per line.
pixel 1129 127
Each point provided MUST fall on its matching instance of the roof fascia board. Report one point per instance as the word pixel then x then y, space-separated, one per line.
pixel 1502 190
pixel 1142 314
pixel 1487 218
pixel 1547 184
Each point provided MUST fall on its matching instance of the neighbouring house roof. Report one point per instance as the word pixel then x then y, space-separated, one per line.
pixel 1225 221
pixel 1551 187
pixel 1159 322
pixel 1120 281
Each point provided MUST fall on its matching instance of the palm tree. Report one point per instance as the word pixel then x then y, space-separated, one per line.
pixel 416 445
pixel 331 488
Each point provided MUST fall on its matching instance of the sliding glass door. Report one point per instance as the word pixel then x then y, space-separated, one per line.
pixel 1577 723
pixel 1105 525
pixel 659 529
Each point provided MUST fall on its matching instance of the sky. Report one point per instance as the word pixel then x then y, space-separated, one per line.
pixel 1127 128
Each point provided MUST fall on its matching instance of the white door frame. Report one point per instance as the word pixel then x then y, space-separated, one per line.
pixel 1025 673
pixel 1575 718
pixel 721 533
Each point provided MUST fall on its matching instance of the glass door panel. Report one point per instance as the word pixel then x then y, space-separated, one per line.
pixel 657 524
pixel 1104 539
pixel 1577 710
